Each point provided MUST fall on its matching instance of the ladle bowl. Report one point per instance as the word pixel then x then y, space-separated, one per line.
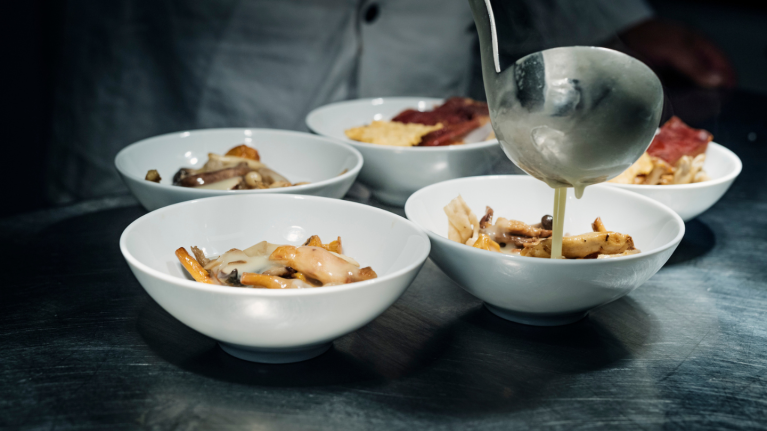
pixel 570 116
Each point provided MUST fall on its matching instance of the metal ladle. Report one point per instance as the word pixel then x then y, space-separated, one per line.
pixel 570 116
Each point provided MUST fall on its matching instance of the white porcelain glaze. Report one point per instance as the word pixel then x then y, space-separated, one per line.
pixel 690 200
pixel 273 325
pixel 394 173
pixel 544 291
pixel 297 156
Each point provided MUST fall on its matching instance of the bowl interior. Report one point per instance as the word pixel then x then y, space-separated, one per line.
pixel 524 198
pixel 384 241
pixel 297 156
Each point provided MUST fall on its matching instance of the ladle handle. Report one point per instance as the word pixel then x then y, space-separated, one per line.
pixel 493 36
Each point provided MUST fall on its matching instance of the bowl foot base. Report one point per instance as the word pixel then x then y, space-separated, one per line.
pixel 537 319
pixel 275 356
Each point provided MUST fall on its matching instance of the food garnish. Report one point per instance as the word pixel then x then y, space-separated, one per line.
pixel 239 169
pixel 275 266
pixel 675 156
pixel 516 237
pixel 456 121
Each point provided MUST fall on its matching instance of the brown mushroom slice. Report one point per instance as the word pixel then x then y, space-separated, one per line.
pixel 580 246
pixel 487 219
pixel 598 226
pixel 206 178
pixel 505 230
pixel 200 256
pixel 153 176
pixel 216 162
pixel 181 174
pixel 683 171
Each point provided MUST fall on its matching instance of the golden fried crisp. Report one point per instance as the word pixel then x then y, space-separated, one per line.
pixel 391 133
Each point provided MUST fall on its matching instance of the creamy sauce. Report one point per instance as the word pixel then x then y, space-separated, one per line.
pixel 254 259
pixel 558 222
pixel 243 263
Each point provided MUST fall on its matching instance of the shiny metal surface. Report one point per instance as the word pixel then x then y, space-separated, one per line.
pixel 570 116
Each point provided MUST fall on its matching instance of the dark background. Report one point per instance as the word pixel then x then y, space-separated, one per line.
pixel 31 30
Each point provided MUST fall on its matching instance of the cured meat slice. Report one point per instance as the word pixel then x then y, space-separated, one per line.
pixel 677 139
pixel 458 117
pixel 454 110
pixel 449 134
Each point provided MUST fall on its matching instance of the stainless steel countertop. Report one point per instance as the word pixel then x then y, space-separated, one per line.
pixel 83 346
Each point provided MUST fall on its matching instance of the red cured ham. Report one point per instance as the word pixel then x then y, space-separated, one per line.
pixel 449 134
pixel 458 116
pixel 677 139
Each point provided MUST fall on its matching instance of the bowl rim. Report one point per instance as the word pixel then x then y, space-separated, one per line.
pixel 309 120
pixel 185 283
pixel 703 184
pixel 644 254
pixel 351 173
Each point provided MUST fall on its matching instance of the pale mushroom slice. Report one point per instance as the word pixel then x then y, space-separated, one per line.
pixel 660 168
pixel 683 171
pixel 463 225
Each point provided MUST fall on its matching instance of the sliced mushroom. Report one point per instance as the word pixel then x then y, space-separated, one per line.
pixel 660 168
pixel 216 162
pixel 153 176
pixel 487 219
pixel 598 226
pixel 207 178
pixel 181 174
pixel 580 246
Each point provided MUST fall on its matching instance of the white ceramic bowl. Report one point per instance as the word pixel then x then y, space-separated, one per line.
pixel 394 173
pixel 264 325
pixel 690 200
pixel 538 291
pixel 297 156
